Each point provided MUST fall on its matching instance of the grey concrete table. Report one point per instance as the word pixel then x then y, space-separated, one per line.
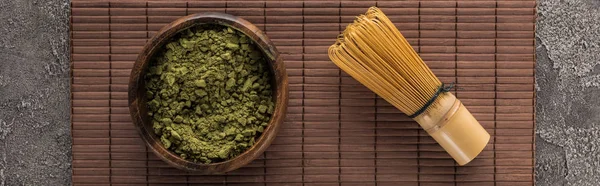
pixel 35 142
pixel 35 145
pixel 568 93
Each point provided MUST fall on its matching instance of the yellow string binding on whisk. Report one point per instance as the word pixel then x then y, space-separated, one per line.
pixel 375 53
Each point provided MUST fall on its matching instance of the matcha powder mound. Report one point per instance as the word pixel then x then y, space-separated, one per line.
pixel 209 94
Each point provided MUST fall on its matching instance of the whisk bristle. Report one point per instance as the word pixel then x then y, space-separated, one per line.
pixel 376 54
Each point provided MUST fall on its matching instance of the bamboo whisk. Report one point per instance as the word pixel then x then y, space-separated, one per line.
pixel 376 54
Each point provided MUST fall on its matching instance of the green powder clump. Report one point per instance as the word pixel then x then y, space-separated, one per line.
pixel 209 94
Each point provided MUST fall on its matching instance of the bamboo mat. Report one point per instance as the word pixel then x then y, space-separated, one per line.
pixel 336 132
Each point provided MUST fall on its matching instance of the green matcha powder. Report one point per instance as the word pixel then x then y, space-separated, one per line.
pixel 209 94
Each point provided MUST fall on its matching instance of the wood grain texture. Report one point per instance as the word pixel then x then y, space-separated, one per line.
pixel 336 131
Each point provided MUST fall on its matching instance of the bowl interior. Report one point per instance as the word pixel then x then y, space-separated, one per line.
pixel 137 98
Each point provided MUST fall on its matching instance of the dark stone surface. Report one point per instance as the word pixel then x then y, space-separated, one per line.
pixel 35 142
pixel 568 91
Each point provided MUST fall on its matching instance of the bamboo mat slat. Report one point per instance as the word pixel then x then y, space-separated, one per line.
pixel 337 132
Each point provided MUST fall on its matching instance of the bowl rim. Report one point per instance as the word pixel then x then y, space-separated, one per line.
pixel 164 35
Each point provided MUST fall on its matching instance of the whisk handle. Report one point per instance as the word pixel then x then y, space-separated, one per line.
pixel 454 128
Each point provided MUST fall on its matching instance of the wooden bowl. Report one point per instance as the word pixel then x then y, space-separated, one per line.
pixel 137 89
